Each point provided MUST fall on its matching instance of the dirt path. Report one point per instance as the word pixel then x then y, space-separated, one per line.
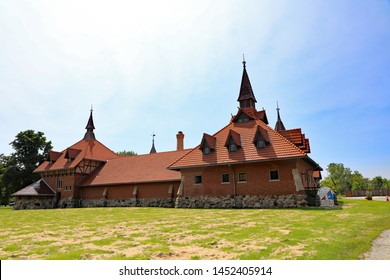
pixel 380 249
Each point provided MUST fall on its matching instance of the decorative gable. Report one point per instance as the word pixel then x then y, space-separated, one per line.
pixel 247 114
pixel 208 144
pixel 242 116
pixel 261 139
pixel 233 141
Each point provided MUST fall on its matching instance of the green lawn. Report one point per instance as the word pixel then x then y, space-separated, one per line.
pixel 159 233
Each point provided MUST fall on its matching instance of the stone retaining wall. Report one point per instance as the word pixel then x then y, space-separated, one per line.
pixel 34 203
pixel 281 201
pixel 132 202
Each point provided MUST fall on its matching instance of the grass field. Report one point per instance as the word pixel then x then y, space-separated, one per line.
pixel 160 233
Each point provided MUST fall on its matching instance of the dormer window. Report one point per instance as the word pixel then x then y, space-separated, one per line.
pixel 242 117
pixel 71 154
pixel 233 147
pixel 53 156
pixel 261 138
pixel 233 141
pixel 208 144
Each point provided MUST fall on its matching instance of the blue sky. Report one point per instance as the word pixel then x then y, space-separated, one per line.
pixel 165 66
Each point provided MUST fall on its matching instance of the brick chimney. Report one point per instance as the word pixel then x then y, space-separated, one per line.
pixel 180 141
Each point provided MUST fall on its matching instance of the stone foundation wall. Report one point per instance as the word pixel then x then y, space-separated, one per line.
pixel 34 203
pixel 132 202
pixel 281 201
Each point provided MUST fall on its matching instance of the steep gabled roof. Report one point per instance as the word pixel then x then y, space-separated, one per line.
pixel 84 149
pixel 136 169
pixel 280 147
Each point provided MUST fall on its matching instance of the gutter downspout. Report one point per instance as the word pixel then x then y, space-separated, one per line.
pixel 234 185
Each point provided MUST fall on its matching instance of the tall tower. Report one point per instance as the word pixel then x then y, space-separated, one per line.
pixel 246 97
pixel 90 135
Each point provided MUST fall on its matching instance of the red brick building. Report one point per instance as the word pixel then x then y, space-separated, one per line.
pixel 245 164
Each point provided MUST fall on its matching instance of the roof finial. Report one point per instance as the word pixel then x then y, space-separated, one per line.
pixel 243 60
pixel 279 126
pixel 153 149
pixel 91 108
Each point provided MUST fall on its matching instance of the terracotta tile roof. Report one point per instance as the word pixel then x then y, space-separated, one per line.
pixel 137 169
pixel 279 147
pixel 71 157
pixel 39 188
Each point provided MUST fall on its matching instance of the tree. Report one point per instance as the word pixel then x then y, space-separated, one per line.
pixel 377 183
pixel 31 149
pixel 127 153
pixel 358 181
pixel 339 176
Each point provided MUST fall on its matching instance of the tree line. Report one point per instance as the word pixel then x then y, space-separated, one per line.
pixel 342 179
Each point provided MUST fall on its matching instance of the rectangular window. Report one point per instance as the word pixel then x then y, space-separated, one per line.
pixel 59 183
pixel 225 178
pixel 241 177
pixel 198 180
pixel 273 175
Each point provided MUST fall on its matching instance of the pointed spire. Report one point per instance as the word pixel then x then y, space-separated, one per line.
pixel 90 127
pixel 153 149
pixel 279 126
pixel 246 97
